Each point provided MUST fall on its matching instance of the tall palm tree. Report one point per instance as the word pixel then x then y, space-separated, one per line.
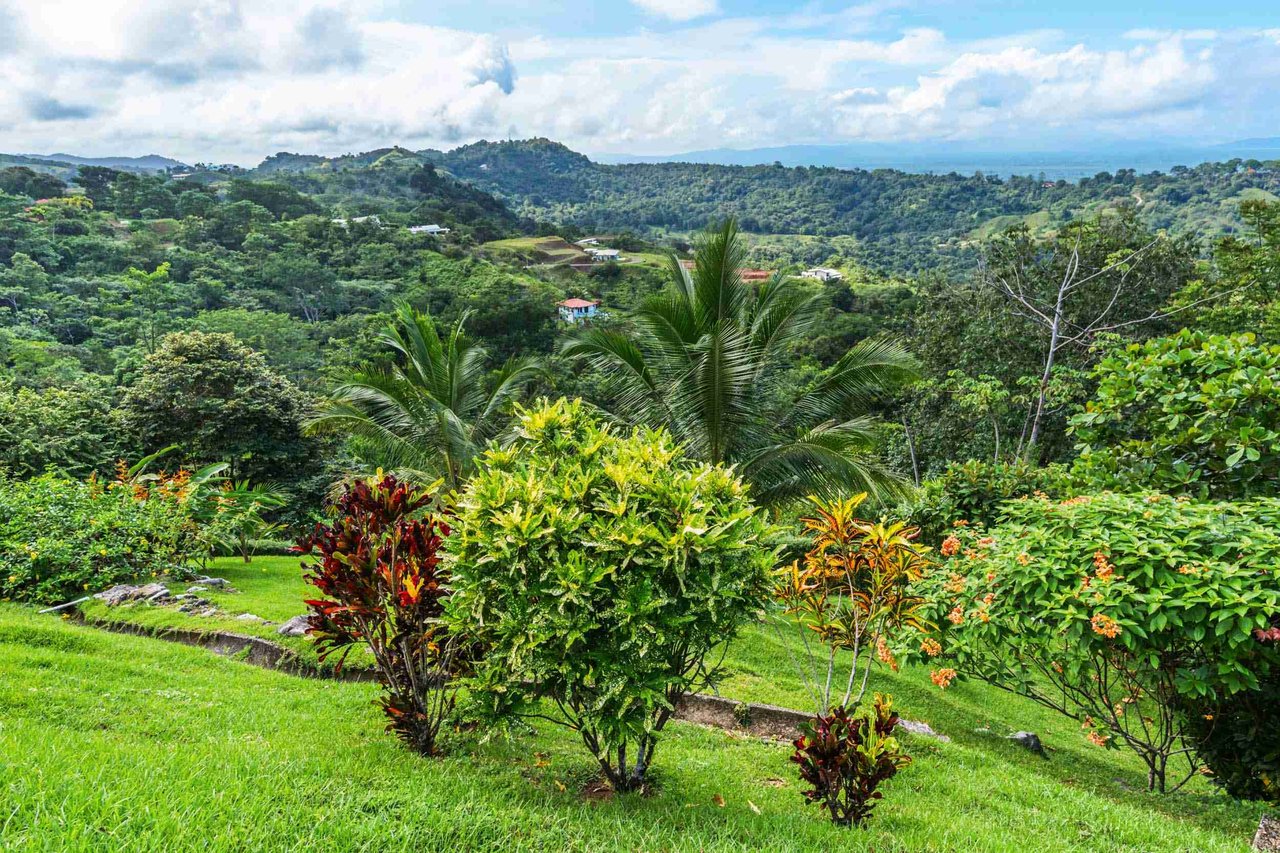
pixel 707 362
pixel 429 414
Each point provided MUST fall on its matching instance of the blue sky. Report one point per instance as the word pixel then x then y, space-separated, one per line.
pixel 239 79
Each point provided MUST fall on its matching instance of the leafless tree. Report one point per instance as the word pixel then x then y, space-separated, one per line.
pixel 1052 313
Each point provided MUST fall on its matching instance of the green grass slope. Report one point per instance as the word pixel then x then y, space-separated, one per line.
pixel 113 742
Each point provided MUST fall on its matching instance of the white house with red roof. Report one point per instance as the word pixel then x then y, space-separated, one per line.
pixel 576 310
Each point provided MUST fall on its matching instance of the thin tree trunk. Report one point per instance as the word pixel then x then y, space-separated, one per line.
pixel 1054 334
pixel 911 448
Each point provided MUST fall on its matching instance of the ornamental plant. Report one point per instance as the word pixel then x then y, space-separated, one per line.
pixel 62 538
pixel 1238 737
pixel 1192 413
pixel 378 566
pixel 599 570
pixel 844 757
pixel 1117 610
pixel 847 599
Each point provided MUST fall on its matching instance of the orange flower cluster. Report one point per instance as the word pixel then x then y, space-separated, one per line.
pixel 1103 569
pixel 1024 559
pixel 956 616
pixel 1076 501
pixel 1105 626
pixel 931 647
pixel 959 522
pixel 955 583
pixel 950 546
pixel 943 677
pixel 883 653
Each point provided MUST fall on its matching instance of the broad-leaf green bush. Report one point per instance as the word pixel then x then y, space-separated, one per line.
pixel 974 491
pixel 598 569
pixel 1113 609
pixel 61 538
pixel 1191 413
pixel 1238 738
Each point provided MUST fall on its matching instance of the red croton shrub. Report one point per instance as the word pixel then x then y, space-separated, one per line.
pixel 378 566
pixel 845 756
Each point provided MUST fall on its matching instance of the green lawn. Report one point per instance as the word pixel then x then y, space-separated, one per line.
pixel 110 742
pixel 975 716
pixel 270 587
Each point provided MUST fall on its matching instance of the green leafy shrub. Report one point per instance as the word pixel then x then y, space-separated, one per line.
pixel 845 757
pixel 974 491
pixel 1113 609
pixel 61 538
pixel 378 564
pixel 1238 738
pixel 1190 413
pixel 598 570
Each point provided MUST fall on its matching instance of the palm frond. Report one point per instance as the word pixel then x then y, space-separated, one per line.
pixel 872 368
pixel 831 460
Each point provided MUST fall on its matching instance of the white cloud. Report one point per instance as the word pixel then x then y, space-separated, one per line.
pixel 234 79
pixel 678 10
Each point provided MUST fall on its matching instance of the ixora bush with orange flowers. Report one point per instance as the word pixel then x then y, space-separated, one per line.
pixel 599 570
pixel 1115 610
pixel 61 538
pixel 846 601
pixel 378 564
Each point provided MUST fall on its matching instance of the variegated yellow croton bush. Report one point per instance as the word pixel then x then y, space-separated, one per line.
pixel 842 604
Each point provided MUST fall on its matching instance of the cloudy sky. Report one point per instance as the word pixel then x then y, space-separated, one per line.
pixel 234 80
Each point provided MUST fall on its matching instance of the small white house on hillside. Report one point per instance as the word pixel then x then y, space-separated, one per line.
pixel 602 255
pixel 433 230
pixel 823 274
pixel 577 310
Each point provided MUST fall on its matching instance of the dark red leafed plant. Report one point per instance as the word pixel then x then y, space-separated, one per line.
pixel 378 565
pixel 845 756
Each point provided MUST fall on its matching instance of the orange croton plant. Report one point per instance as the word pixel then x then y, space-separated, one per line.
pixel 850 593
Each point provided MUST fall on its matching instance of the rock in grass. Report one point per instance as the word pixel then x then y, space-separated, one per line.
pixel 923 729
pixel 295 627
pixel 1268 837
pixel 250 617
pixel 1030 741
pixel 153 593
pixel 217 583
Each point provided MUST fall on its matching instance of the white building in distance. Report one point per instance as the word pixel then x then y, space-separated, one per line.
pixel 823 274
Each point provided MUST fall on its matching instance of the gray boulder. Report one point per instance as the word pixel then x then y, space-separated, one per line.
pixel 295 627
pixel 152 593
pixel 1030 741
pixel 1268 837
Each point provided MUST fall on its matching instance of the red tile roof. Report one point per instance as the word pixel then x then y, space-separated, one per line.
pixel 577 303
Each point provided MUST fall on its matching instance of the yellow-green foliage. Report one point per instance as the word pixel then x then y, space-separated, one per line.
pixel 599 568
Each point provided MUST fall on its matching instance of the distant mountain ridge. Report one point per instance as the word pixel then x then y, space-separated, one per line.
pixel 967 159
pixel 145 163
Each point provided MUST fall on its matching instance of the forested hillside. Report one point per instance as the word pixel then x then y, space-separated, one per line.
pixel 902 222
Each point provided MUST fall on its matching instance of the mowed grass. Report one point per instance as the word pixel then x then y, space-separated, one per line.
pixel 270 587
pixel 109 742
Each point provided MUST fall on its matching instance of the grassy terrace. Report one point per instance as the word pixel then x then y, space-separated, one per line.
pixel 108 742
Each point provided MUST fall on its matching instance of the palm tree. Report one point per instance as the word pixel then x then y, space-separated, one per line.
pixel 707 362
pixel 429 414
